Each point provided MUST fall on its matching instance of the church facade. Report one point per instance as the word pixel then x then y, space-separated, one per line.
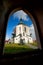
pixel 22 34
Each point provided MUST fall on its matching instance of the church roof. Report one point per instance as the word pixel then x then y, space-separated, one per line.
pixel 21 22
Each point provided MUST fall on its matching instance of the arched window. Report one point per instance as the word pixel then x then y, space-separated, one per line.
pixel 25 29
pixel 14 23
pixel 20 29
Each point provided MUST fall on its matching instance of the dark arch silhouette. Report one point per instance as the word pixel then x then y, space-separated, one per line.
pixel 11 11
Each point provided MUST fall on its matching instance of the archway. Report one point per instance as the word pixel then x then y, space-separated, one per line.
pixel 33 21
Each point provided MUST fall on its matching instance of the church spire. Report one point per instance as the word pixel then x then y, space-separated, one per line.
pixel 21 20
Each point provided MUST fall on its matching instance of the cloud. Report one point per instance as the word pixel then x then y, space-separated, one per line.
pixel 33 32
pixel 20 14
pixel 7 37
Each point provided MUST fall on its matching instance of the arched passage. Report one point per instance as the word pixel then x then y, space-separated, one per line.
pixel 33 21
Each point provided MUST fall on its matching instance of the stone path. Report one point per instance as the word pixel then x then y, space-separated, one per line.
pixel 34 47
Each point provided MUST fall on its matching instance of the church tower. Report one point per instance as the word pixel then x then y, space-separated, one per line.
pixel 22 33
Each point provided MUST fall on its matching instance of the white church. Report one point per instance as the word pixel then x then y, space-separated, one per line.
pixel 22 34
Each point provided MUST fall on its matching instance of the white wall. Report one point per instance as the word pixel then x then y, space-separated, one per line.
pixel 17 39
pixel 22 29
pixel 27 38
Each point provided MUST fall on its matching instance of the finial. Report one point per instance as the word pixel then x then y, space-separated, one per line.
pixel 20 18
pixel 21 22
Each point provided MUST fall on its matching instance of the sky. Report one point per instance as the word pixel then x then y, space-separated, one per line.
pixel 14 19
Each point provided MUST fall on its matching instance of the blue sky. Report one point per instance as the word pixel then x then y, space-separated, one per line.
pixel 14 19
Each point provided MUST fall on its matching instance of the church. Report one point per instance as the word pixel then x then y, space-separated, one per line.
pixel 21 33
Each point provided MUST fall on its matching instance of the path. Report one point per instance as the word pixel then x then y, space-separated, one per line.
pixel 34 47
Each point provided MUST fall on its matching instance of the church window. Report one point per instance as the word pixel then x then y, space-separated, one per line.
pixel 25 29
pixel 20 29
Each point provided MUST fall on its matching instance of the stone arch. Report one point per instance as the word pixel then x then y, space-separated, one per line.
pixel 33 21
pixel 11 11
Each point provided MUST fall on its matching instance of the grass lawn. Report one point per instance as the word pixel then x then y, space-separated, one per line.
pixel 14 48
pixel 35 44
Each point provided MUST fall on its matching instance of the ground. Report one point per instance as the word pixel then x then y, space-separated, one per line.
pixel 15 48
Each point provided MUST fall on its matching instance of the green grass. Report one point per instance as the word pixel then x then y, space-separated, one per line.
pixel 35 44
pixel 15 48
